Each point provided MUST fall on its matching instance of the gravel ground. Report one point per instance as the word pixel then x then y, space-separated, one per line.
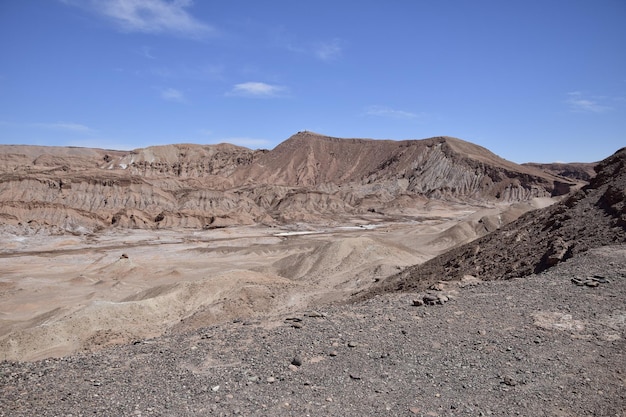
pixel 544 345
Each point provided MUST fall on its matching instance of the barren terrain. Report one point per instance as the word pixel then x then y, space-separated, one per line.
pixel 324 277
pixel 67 293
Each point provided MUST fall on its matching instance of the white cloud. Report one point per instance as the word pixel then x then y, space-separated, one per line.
pixel 328 50
pixel 383 111
pixel 148 16
pixel 578 103
pixel 256 89
pixel 173 94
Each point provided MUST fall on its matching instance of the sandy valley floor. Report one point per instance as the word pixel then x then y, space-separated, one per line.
pixel 61 294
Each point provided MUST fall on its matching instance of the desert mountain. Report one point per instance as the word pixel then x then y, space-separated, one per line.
pixel 309 177
pixel 592 217
pixel 575 170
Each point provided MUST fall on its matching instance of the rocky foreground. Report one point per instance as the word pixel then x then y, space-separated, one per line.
pixel 546 345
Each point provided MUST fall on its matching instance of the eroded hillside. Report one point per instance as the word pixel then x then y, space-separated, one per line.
pixel 307 178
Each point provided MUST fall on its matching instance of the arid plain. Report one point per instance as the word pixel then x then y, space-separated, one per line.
pixel 325 277
pixel 62 294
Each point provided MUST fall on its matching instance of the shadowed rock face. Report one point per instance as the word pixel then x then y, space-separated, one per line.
pixel 308 177
pixel 592 217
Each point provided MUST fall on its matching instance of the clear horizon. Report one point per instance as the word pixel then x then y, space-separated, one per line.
pixel 531 81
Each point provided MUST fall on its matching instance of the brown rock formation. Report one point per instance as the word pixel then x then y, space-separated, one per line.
pixel 308 177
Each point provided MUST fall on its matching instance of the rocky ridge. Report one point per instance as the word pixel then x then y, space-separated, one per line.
pixel 309 177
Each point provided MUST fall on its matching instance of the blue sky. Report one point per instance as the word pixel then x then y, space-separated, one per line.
pixel 530 80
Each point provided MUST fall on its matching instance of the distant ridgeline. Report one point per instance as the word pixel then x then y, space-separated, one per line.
pixel 307 178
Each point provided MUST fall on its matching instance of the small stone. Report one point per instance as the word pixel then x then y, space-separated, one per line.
pixel 592 283
pixel 124 256
pixel 293 368
pixel 414 410
pixel 418 302
pixel 296 361
pixel 352 344
pixel 332 353
pixel 507 380
pixel 296 325
pixel 600 279
pixel 355 376
pixel 430 299
pixel 578 282
pixel 315 314
pixel 215 388
pixel 270 380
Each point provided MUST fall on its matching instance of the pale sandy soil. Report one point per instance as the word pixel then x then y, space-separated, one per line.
pixel 63 294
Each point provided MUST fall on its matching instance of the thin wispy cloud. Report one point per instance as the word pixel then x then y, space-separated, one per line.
pixel 579 103
pixel 172 94
pixel 148 16
pixel 382 111
pixel 257 89
pixel 66 126
pixel 327 51
pixel 69 127
pixel 146 52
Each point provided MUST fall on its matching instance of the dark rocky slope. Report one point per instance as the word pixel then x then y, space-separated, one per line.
pixel 592 217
